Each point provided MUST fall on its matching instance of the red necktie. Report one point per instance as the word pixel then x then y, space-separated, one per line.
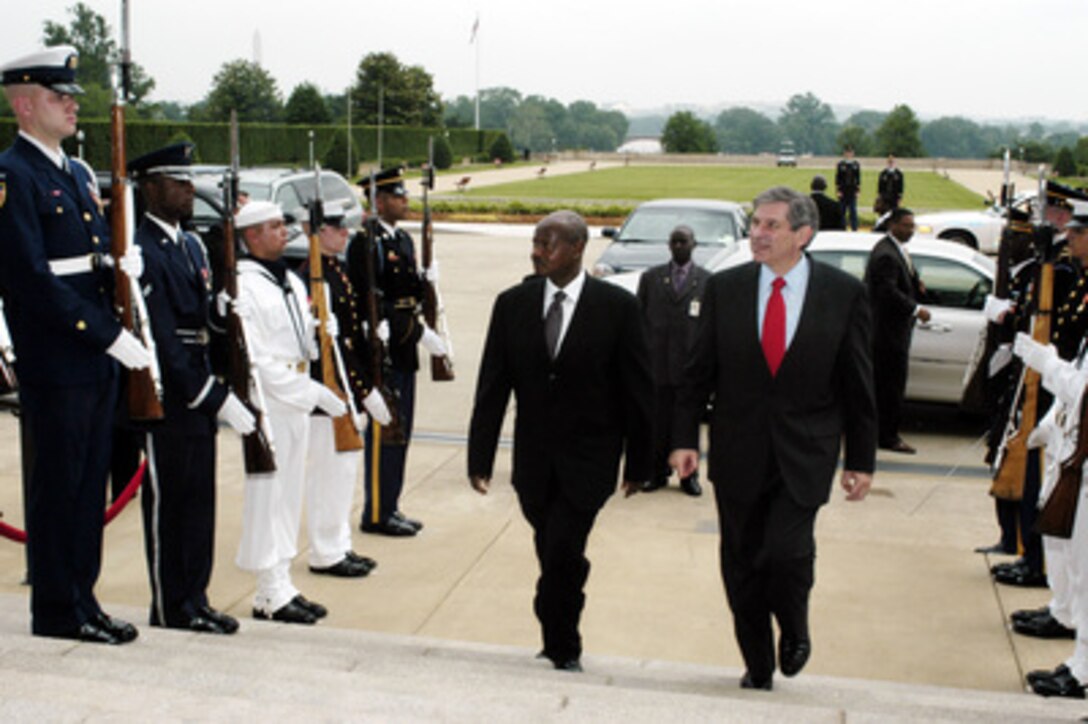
pixel 774 327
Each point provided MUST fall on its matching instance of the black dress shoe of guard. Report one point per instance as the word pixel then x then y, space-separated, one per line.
pixel 392 527
pixel 571 665
pixel 313 607
pixel 405 519
pixel 654 484
pixel 228 624
pixel 1043 627
pixel 1018 564
pixel 1033 676
pixel 690 485
pixel 123 630
pixel 997 549
pixel 793 654
pixel 1059 683
pixel 1028 614
pixel 750 682
pixel 365 560
pixel 289 612
pixel 1021 576
pixel 899 446
pixel 343 568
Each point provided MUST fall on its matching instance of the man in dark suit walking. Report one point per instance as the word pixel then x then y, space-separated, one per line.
pixel 783 347
pixel 572 350
pixel 894 291
pixel 670 295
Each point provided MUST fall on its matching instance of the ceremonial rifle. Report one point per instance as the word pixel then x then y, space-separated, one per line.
pixel 257 449
pixel 144 385
pixel 8 381
pixel 1057 515
pixel 347 437
pixel 433 312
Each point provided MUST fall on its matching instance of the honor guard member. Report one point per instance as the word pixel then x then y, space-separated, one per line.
pixel 331 475
pixel 57 285
pixel 889 186
pixel 179 496
pixel 279 331
pixel 400 292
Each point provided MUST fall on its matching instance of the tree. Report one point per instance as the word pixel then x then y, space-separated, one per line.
pixel 856 138
pixel 336 156
pixel 743 130
pixel 809 123
pixel 684 133
pixel 501 149
pixel 1064 165
pixel 406 93
pixel 898 134
pixel 306 105
pixel 443 153
pixel 869 121
pixel 245 87
pixel 955 137
pixel 89 33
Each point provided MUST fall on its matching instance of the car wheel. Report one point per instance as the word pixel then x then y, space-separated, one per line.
pixel 960 236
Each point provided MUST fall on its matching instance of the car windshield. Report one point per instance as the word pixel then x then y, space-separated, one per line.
pixel 258 191
pixel 654 225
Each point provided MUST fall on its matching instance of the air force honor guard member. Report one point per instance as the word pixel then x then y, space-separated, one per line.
pixel 280 333
pixel 179 495
pixel 57 290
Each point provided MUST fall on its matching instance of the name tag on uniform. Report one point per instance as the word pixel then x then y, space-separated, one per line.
pixel 693 308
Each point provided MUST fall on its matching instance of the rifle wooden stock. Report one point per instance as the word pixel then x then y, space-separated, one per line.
pixel 441 366
pixel 1058 514
pixel 346 436
pixel 143 397
pixel 1009 481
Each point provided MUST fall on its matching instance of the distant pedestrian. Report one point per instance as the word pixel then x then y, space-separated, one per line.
pixel 847 186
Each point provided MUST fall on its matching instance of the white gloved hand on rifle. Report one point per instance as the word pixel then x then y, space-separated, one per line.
pixel 329 402
pixel 224 302
pixel 432 342
pixel 375 405
pixel 431 272
pixel 132 262
pixel 129 351
pixel 1035 355
pixel 235 414
pixel 332 326
pixel 995 309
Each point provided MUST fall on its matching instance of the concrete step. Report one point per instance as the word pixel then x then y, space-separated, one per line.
pixel 279 672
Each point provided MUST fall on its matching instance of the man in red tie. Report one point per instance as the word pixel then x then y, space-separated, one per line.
pixel 783 347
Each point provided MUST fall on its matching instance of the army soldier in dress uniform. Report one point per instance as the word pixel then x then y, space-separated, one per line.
pixel 401 291
pixel 889 186
pixel 280 334
pixel 331 475
pixel 179 496
pixel 57 288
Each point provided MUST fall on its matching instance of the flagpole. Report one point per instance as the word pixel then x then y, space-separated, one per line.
pixel 476 42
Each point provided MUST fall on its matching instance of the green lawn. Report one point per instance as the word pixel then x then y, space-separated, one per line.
pixel 924 190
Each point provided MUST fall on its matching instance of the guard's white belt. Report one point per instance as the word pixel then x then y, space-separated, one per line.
pixel 79 264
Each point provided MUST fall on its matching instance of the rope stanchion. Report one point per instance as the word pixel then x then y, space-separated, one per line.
pixel 19 536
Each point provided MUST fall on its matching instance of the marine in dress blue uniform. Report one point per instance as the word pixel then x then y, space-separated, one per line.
pixel 179 494
pixel 57 291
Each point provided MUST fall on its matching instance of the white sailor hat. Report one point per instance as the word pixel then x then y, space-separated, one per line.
pixel 334 213
pixel 258 212
pixel 54 68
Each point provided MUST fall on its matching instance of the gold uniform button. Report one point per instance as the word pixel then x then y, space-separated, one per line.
pixel 95 240
pixel 81 325
pixel 87 216
pixel 60 209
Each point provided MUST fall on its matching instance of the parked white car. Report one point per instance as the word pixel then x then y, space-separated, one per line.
pixel 977 229
pixel 957 280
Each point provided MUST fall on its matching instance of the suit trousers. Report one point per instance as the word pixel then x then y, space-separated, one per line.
pixel 383 502
pixel 560 534
pixel 178 504
pixel 72 433
pixel 890 383
pixel 330 482
pixel 767 553
pixel 1031 542
pixel 664 403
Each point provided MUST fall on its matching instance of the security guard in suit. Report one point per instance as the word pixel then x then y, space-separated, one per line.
pixel 57 288
pixel 179 495
pixel 400 286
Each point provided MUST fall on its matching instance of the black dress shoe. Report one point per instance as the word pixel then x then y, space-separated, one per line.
pixel 364 560
pixel 313 607
pixel 572 665
pixel 392 527
pixel 405 519
pixel 1028 614
pixel 690 485
pixel 1033 676
pixel 1020 575
pixel 343 568
pixel 1018 564
pixel 227 624
pixel 998 549
pixel 898 446
pixel 103 630
pixel 123 630
pixel 793 654
pixel 1043 627
pixel 289 612
pixel 750 682
pixel 1059 683
pixel 654 484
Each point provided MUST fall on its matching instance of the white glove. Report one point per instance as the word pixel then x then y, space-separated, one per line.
pixel 222 302
pixel 431 272
pixel 241 307
pixel 995 309
pixel 332 326
pixel 432 342
pixel 329 403
pixel 375 405
pixel 1035 355
pixel 129 351
pixel 132 263
pixel 383 331
pixel 1041 435
pixel 999 359
pixel 235 414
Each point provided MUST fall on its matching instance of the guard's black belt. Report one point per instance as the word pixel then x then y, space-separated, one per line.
pixel 193 336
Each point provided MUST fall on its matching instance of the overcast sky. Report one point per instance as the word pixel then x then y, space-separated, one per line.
pixel 986 59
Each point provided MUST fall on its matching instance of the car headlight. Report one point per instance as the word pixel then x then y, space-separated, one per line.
pixel 601 269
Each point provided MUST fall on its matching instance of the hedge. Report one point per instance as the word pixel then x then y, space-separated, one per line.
pixel 269 144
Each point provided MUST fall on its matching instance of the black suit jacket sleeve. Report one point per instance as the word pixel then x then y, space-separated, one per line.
pixel 493 387
pixel 855 372
pixel 636 387
pixel 700 374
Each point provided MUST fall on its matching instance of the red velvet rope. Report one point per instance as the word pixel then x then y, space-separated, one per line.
pixel 19 536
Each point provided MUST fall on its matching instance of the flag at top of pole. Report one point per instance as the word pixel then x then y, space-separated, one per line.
pixel 475 27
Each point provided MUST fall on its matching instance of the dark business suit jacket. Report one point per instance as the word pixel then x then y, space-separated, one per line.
pixel 821 396
pixel 894 291
pixel 576 415
pixel 671 321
